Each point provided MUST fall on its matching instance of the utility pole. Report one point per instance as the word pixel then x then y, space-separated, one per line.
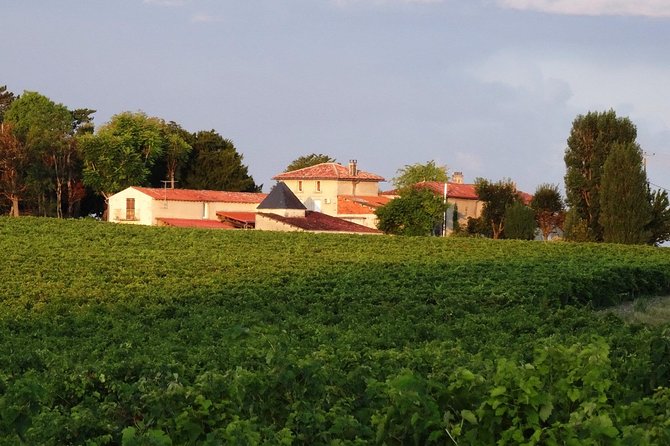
pixel 646 155
pixel 444 224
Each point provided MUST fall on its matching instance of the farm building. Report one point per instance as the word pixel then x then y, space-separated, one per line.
pixel 283 211
pixel 184 207
pixel 339 191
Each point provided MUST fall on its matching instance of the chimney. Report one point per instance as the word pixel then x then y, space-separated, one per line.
pixel 457 178
pixel 353 170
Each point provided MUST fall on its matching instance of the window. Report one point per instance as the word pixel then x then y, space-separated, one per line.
pixel 318 186
pixel 299 186
pixel 130 209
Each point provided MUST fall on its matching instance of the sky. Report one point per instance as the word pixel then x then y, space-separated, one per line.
pixel 489 88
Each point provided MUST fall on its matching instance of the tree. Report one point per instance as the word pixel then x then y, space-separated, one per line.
pixel 496 197
pixel 520 222
pixel 6 99
pixel 456 226
pixel 122 152
pixel 659 224
pixel 591 139
pixel 414 212
pixel 13 161
pixel 42 127
pixel 416 173
pixel 575 228
pixel 308 160
pixel 548 207
pixel 625 211
pixel 177 150
pixel 216 165
pixel 82 124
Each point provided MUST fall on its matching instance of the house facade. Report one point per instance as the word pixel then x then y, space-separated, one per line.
pixel 181 207
pixel 336 190
pixel 459 194
pixel 283 211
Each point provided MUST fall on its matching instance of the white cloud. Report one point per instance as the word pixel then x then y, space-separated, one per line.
pixel 579 84
pixel 646 8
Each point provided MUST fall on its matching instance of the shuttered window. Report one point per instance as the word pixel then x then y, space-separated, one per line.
pixel 130 209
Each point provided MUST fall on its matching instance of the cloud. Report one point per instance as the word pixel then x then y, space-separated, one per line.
pixel 646 8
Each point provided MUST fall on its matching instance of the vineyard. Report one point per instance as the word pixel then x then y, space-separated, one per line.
pixel 113 334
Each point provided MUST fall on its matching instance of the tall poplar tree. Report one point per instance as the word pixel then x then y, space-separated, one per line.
pixel 589 144
pixel 625 211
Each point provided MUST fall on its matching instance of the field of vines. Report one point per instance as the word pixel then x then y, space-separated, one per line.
pixel 119 335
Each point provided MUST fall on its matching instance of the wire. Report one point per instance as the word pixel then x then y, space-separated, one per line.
pixel 660 187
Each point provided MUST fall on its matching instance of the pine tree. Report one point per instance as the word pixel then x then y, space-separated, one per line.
pixel 625 211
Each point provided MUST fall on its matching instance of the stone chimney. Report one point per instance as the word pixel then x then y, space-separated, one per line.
pixel 457 178
pixel 353 169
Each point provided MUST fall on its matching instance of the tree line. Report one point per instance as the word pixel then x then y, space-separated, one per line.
pixel 54 162
pixel 608 195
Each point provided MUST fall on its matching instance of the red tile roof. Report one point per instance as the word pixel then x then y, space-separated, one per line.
pixel 195 223
pixel 455 190
pixel 201 195
pixel 245 218
pixel 316 221
pixel 327 171
pixel 525 197
pixel 350 204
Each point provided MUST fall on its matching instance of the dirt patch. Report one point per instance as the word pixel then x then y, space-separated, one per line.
pixel 648 311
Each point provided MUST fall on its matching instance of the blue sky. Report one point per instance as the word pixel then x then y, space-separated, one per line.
pixel 487 87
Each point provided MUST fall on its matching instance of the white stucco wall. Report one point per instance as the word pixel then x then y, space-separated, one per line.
pixel 148 210
pixel 116 210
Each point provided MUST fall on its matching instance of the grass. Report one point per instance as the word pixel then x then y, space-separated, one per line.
pixel 652 311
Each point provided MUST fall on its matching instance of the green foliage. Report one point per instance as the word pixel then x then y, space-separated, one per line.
pixel 44 129
pixel 520 222
pixel 119 334
pixel 591 139
pixel 38 122
pixel 308 160
pixel 549 209
pixel 122 152
pixel 496 198
pixel 6 99
pixel 478 227
pixel 576 229
pixel 455 220
pixel 414 212
pixel 13 167
pixel 659 224
pixel 216 165
pixel 110 165
pixel 177 150
pixel 416 173
pixel 625 211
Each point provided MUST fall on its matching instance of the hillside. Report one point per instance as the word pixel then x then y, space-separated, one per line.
pixel 144 335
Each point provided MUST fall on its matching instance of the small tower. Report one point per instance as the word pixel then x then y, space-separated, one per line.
pixel 282 201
